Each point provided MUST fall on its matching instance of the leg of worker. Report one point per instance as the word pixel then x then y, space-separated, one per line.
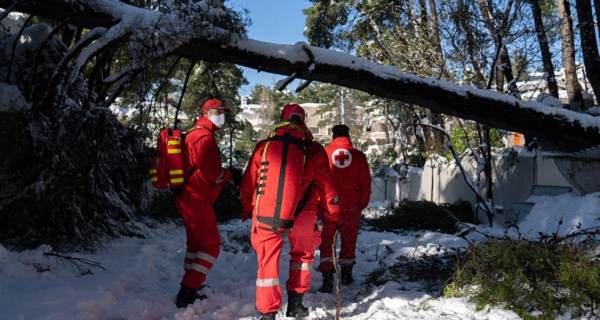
pixel 326 258
pixel 304 239
pixel 267 245
pixel 348 235
pixel 203 240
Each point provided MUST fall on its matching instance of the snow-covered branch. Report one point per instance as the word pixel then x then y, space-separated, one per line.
pixel 206 41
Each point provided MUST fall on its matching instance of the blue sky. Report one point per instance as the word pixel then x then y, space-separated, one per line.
pixel 276 21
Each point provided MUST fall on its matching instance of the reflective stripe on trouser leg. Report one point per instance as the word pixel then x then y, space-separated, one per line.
pixel 347 262
pixel 303 242
pixel 200 262
pixel 202 235
pixel 299 277
pixel 267 245
pixel 326 260
pixel 348 236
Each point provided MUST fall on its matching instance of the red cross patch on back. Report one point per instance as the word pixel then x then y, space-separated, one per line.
pixel 341 158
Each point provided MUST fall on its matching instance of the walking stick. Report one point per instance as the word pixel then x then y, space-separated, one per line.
pixel 337 272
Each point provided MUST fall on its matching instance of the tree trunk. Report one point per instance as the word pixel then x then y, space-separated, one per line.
pixel 472 48
pixel 497 30
pixel 536 11
pixel 568 54
pixel 597 9
pixel 437 43
pixel 589 45
pixel 567 130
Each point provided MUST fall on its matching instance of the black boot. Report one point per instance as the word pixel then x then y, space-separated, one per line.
pixel 267 316
pixel 347 276
pixel 295 307
pixel 187 295
pixel 327 286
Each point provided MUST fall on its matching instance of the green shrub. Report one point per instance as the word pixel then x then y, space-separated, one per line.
pixel 459 139
pixel 423 215
pixel 379 162
pixel 537 280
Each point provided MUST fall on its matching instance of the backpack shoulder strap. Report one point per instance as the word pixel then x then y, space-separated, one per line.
pixel 286 138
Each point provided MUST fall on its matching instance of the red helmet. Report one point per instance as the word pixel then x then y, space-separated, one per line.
pixel 293 112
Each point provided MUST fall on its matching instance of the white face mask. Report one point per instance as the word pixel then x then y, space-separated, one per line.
pixel 218 120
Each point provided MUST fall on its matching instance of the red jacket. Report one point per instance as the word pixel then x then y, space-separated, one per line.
pixel 350 173
pixel 203 154
pixel 318 175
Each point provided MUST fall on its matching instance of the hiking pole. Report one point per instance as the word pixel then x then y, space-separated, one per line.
pixel 337 272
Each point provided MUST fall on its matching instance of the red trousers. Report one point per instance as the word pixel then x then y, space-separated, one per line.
pixel 304 239
pixel 203 240
pixel 348 225
pixel 268 245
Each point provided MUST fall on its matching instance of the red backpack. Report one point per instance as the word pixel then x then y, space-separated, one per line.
pixel 166 168
pixel 280 182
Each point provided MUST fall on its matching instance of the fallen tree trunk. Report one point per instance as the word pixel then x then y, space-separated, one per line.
pixel 561 129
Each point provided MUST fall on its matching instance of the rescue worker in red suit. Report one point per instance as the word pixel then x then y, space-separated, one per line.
pixel 202 163
pixel 304 236
pixel 352 179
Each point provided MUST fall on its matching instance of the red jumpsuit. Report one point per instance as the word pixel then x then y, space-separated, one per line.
pixel 194 203
pixel 351 176
pixel 303 236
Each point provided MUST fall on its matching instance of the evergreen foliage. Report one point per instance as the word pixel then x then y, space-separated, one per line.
pixel 380 162
pixel 462 139
pixel 536 279
pixel 81 176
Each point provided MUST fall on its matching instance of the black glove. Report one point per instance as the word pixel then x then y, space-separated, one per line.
pixel 236 176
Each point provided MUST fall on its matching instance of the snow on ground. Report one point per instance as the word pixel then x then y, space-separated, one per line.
pixel 140 277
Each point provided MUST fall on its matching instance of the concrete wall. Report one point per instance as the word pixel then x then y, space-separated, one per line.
pixel 513 182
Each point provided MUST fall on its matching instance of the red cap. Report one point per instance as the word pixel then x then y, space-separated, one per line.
pixel 293 112
pixel 214 104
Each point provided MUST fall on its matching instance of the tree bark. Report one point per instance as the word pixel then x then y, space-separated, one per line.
pixel 568 53
pixel 435 33
pixel 472 48
pixel 589 45
pixel 597 9
pixel 536 11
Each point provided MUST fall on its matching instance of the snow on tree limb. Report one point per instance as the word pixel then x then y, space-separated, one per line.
pixel 202 40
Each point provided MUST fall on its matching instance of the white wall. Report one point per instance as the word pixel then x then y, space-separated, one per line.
pixel 512 182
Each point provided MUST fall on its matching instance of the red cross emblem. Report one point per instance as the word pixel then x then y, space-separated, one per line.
pixel 341 158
